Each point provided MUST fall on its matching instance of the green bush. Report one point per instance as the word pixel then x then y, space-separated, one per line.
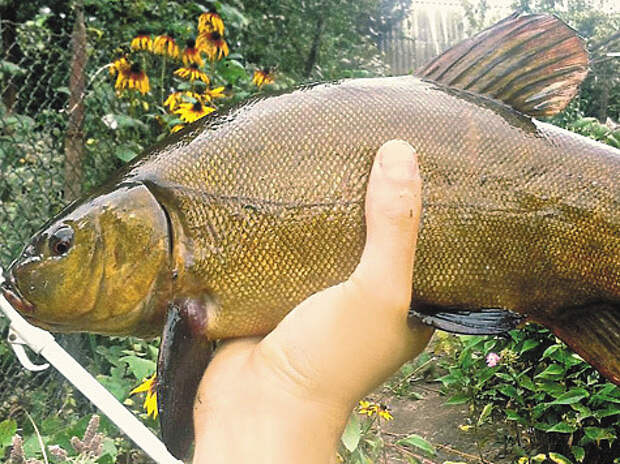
pixel 540 389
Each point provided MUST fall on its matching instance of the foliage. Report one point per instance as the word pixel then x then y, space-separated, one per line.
pixel 540 389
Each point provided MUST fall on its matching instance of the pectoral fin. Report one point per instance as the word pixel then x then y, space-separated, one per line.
pixel 486 321
pixel 184 355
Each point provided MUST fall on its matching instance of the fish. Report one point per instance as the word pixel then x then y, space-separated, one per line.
pixel 222 229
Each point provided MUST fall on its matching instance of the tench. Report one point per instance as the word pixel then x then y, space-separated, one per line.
pixel 224 228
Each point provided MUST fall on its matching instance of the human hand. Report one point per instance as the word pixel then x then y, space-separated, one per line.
pixel 287 397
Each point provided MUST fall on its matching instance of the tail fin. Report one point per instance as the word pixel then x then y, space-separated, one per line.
pixel 594 333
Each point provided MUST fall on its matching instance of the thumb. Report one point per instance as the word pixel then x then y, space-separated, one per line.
pixel 393 209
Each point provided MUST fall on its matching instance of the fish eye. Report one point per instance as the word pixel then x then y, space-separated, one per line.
pixel 61 241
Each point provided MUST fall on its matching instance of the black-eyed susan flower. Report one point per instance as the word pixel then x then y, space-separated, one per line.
pixel 192 54
pixel 213 44
pixel 367 408
pixel 263 77
pixel 176 128
pixel 119 65
pixel 384 412
pixel 192 72
pixel 142 41
pixel 173 100
pixel 165 45
pixel 217 92
pixel 210 21
pixel 133 78
pixel 190 112
pixel 149 386
pixel 176 98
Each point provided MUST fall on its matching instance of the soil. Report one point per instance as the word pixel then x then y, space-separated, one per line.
pixel 439 424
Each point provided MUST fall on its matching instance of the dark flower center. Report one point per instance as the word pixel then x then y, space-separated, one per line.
pixel 215 36
pixel 197 106
pixel 136 68
pixel 194 66
pixel 191 43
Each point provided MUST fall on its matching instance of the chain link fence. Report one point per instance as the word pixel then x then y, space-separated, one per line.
pixel 60 132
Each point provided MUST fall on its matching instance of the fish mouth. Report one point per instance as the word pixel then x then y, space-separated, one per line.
pixel 13 295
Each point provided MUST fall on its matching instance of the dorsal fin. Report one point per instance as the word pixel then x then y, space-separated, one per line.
pixel 533 63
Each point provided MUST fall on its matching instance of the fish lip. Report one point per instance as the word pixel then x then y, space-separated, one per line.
pixel 13 295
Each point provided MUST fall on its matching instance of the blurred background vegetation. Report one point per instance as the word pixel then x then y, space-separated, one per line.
pixel 64 128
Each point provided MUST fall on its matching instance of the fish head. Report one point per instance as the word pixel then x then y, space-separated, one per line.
pixel 98 266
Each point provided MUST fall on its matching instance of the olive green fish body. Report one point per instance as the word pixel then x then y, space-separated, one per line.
pixel 268 202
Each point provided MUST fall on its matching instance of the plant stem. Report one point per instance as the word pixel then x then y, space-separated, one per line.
pixel 163 76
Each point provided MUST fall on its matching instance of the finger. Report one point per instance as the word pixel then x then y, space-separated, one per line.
pixel 393 208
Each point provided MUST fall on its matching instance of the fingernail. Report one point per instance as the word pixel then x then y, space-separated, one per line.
pixel 397 159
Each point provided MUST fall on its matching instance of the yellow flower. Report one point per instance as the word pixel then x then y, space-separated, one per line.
pixel 165 45
pixel 263 77
pixel 150 401
pixel 175 98
pixel 190 112
pixel 192 72
pixel 191 54
pixel 211 21
pixel 217 92
pixel 119 65
pixel 176 128
pixel 142 42
pixel 367 407
pixel 384 412
pixel 213 44
pixel 133 77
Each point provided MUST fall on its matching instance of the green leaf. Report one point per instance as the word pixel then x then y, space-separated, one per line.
pixel 140 367
pixel 549 351
pixel 574 395
pixel 7 67
pixel 578 452
pixel 8 428
pixel 526 382
pixel 416 441
pixel 122 121
pixel 562 427
pixel 232 14
pixel 459 398
pixel 505 377
pixel 559 459
pixel 231 70
pixel 486 412
pixel 598 433
pixel 125 153
pixel 528 345
pixel 508 390
pixel 551 388
pixel 352 433
pixel 552 371
pixel 109 449
pixel 611 410
pixel 512 415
